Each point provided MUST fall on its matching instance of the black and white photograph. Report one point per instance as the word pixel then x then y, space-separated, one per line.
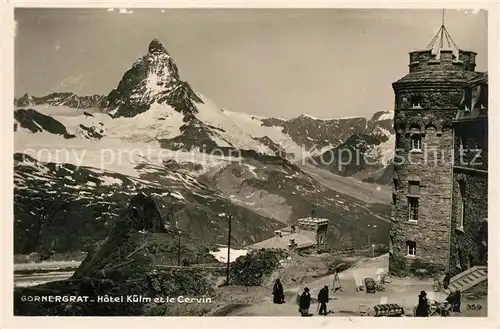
pixel 250 162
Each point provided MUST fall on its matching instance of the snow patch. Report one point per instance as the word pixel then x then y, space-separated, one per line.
pixel 331 119
pixel 251 169
pixel 210 114
pixel 109 181
pixel 177 195
pixel 387 116
pixel 254 126
pixel 221 254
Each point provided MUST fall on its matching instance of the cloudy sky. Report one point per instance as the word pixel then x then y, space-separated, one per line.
pixel 327 63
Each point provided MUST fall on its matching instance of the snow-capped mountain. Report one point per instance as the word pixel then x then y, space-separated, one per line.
pixel 77 166
pixel 327 143
pixel 29 121
pixel 153 82
pixel 361 154
pixel 59 99
pixel 305 136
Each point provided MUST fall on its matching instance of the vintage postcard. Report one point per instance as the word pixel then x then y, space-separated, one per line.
pixel 328 163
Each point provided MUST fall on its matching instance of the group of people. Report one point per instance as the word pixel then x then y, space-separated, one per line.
pixel 304 300
pixel 453 300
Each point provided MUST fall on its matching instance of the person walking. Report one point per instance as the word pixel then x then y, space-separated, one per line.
pixel 278 292
pixel 305 302
pixel 323 299
pixel 423 306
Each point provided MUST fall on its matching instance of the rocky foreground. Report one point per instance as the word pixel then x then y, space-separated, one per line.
pixel 126 269
pixel 128 275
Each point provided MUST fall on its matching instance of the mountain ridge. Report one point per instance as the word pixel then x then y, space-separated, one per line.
pixel 173 131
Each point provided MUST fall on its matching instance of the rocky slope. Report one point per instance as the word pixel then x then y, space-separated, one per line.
pixel 77 166
pixel 131 261
pixel 62 207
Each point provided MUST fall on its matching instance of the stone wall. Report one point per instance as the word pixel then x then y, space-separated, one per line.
pixel 477 291
pixel 473 137
pixel 467 248
pixel 430 99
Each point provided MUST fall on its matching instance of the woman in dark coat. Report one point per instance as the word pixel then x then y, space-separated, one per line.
pixel 423 306
pixel 278 293
pixel 305 302
pixel 446 281
pixel 457 301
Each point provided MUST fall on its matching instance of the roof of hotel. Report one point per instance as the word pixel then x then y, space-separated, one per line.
pixel 482 79
pixel 312 220
pixel 302 238
pixel 438 75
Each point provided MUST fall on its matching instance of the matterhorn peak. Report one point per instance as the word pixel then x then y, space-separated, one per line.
pixel 156 46
pixel 153 78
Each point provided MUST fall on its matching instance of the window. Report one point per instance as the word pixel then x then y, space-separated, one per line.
pixel 413 187
pixel 394 198
pixel 403 101
pixel 416 101
pixel 321 240
pixel 461 213
pixel 412 209
pixel 467 99
pixel 484 98
pixel 461 206
pixel 411 248
pixel 458 264
pixel 461 143
pixel 416 142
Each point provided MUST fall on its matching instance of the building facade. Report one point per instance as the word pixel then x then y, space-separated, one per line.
pixel 310 234
pixel 427 101
pixel 469 216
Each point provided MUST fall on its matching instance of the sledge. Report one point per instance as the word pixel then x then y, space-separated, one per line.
pixel 392 310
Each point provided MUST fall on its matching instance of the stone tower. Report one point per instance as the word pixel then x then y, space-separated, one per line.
pixel 426 102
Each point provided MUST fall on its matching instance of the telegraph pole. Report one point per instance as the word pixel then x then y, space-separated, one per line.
pixel 179 247
pixel 229 217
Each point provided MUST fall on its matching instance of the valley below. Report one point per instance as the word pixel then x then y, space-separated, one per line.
pixel 367 192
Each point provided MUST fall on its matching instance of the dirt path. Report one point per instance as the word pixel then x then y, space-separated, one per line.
pixel 347 302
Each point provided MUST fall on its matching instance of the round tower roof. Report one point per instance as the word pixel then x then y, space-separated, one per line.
pixel 441 75
pixel 442 63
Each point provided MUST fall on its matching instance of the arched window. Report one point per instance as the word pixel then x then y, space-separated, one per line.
pixel 321 239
